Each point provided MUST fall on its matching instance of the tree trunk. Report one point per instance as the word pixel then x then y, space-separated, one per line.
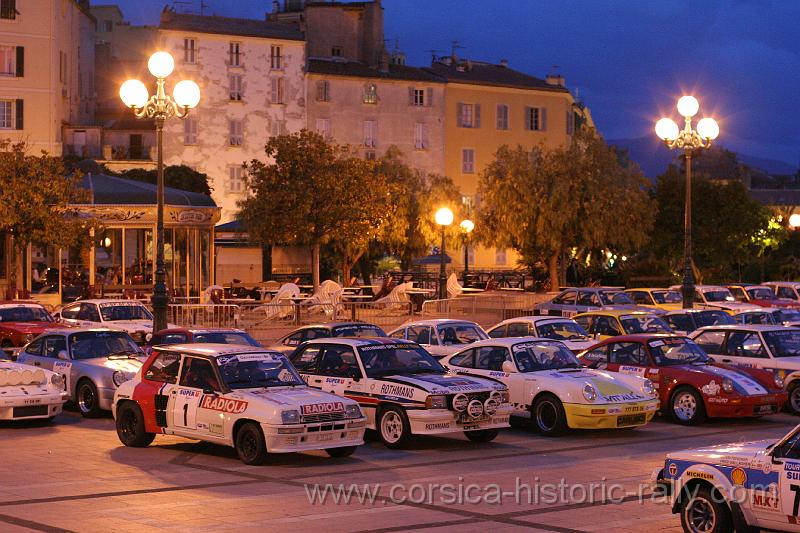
pixel 552 269
pixel 266 262
pixel 348 262
pixel 315 265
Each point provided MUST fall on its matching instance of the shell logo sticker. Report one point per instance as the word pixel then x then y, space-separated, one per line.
pixel 738 476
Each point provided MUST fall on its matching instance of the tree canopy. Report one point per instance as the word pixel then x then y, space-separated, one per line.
pixel 175 176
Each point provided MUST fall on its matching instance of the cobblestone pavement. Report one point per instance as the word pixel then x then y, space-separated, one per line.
pixel 74 475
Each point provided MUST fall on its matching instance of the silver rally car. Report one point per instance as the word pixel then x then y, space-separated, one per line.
pixel 93 362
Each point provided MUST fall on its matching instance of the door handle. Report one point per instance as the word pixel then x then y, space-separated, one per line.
pixel 726 360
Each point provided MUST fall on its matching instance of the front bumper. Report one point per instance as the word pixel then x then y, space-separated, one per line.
pixel 609 416
pixel 439 421
pixel 29 407
pixel 744 406
pixel 317 436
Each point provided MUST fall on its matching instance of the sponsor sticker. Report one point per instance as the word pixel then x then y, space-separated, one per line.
pixel 374 347
pixel 765 501
pixel 437 425
pixel 672 469
pixel 225 405
pixel 739 476
pixel 322 408
pixel 699 475
pixel 388 389
pixel 711 388
pixel 639 370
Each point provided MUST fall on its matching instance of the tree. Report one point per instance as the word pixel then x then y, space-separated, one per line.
pixel 175 176
pixel 314 193
pixel 544 202
pixel 35 192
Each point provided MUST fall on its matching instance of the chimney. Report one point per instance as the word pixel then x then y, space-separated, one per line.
pixel 556 80
pixel 504 62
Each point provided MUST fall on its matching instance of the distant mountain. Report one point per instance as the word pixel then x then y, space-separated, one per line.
pixel 651 154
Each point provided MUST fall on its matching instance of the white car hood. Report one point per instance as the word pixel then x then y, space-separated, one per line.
pixel 446 383
pixel 744 450
pixel 303 398
pixel 611 387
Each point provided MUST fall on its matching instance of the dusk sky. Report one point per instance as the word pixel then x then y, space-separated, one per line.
pixel 628 60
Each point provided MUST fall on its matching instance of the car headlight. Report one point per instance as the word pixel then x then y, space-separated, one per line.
pixel 502 396
pixel 648 388
pixel 57 381
pixel 352 411
pixel 119 377
pixel 460 402
pixel 290 417
pixel 727 385
pixel 436 401
pixel 29 337
pixel 589 392
pixel 490 405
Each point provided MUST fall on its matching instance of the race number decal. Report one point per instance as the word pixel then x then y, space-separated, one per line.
pixel 65 369
pixel 184 409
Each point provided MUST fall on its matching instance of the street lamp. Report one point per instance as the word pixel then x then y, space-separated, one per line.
pixel 443 217
pixel 160 106
pixel 794 220
pixel 466 228
pixel 689 141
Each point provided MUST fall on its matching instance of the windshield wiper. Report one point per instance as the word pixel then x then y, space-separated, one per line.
pixel 126 353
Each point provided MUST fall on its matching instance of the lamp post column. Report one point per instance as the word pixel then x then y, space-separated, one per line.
pixel 160 298
pixel 442 273
pixel 687 288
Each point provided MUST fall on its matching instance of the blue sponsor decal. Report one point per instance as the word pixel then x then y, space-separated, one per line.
pixel 754 478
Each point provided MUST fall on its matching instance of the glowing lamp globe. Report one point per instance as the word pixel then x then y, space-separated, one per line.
pixel 467 225
pixel 444 217
pixel 133 93
pixel 708 128
pixel 688 106
pixel 161 64
pixel 186 93
pixel 666 129
pixel 794 220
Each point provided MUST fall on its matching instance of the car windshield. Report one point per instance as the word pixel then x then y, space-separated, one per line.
pixel 225 337
pixel 667 297
pixel 93 344
pixel 385 359
pixel 712 318
pixel 357 330
pixel 668 352
pixel 786 315
pixel 784 343
pixel 24 314
pixel 682 322
pixel 561 330
pixel 718 295
pixel 761 293
pixel 256 370
pixel 615 298
pixel 643 324
pixel 460 333
pixel 543 355
pixel 124 311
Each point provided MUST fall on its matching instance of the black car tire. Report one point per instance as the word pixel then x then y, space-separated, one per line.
pixel 393 427
pixel 130 426
pixel 686 406
pixel 250 445
pixel 344 451
pixel 548 416
pixel 482 435
pixel 705 511
pixel 87 399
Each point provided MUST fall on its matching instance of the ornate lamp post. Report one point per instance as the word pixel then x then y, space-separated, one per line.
pixel 466 228
pixel 443 217
pixel 689 141
pixel 160 106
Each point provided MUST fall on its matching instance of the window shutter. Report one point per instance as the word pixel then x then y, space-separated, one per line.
pixel 477 115
pixel 20 61
pixel 459 115
pixel 428 97
pixel 527 118
pixel 410 96
pixel 20 113
pixel 320 91
pixel 542 118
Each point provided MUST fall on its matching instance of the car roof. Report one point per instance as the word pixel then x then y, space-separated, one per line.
pixel 212 350
pixel 694 310
pixel 359 341
pixel 784 283
pixel 750 327
pixel 66 330
pixel 648 289
pixel 9 305
pixel 338 324
pixel 107 301
pixel 437 322
pixel 616 312
pixel 508 341
pixel 643 337
pixel 535 319
pixel 195 329
pixel 749 286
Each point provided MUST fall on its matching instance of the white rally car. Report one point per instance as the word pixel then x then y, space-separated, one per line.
pixel 550 386
pixel 557 328
pixel 440 336
pixel 403 389
pixel 241 396
pixel 130 316
pixel 743 486
pixel 27 392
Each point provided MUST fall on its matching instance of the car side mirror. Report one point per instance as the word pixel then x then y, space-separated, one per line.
pixel 508 367
pixel 63 355
pixel 148 337
pixel 209 391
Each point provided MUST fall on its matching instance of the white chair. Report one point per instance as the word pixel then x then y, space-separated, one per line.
pixel 454 289
pixel 326 299
pixel 398 298
pixel 281 304
pixel 210 292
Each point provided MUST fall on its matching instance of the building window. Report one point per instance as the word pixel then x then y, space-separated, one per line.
pixel 190 130
pixel 108 25
pixel 336 51
pixel 467 161
pixel 570 122
pixel 235 132
pixel 6 110
pixel 275 57
pixel 500 256
pixel 324 127
pixel 370 155
pixel 188 50
pixel 235 84
pixel 277 127
pixel 468 115
pixel 234 54
pixel 276 90
pixel 323 91
pixel 7 57
pixel 370 133
pixel 420 136
pixel 417 97
pixel 370 93
pixel 62 67
pixel 8 9
pixel 502 117
pixel 534 118
pixel 235 179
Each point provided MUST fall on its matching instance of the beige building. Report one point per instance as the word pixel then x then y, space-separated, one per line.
pixel 46 70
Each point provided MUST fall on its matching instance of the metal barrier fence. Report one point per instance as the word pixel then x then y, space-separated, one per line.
pixel 485 309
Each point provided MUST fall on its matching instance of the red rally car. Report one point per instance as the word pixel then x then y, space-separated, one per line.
pixel 691 385
pixel 203 336
pixel 20 323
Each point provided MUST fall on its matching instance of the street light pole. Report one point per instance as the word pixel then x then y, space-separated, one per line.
pixel 466 228
pixel 689 141
pixel 160 106
pixel 443 217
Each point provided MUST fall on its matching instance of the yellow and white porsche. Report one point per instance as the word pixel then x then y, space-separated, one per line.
pixel 548 385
